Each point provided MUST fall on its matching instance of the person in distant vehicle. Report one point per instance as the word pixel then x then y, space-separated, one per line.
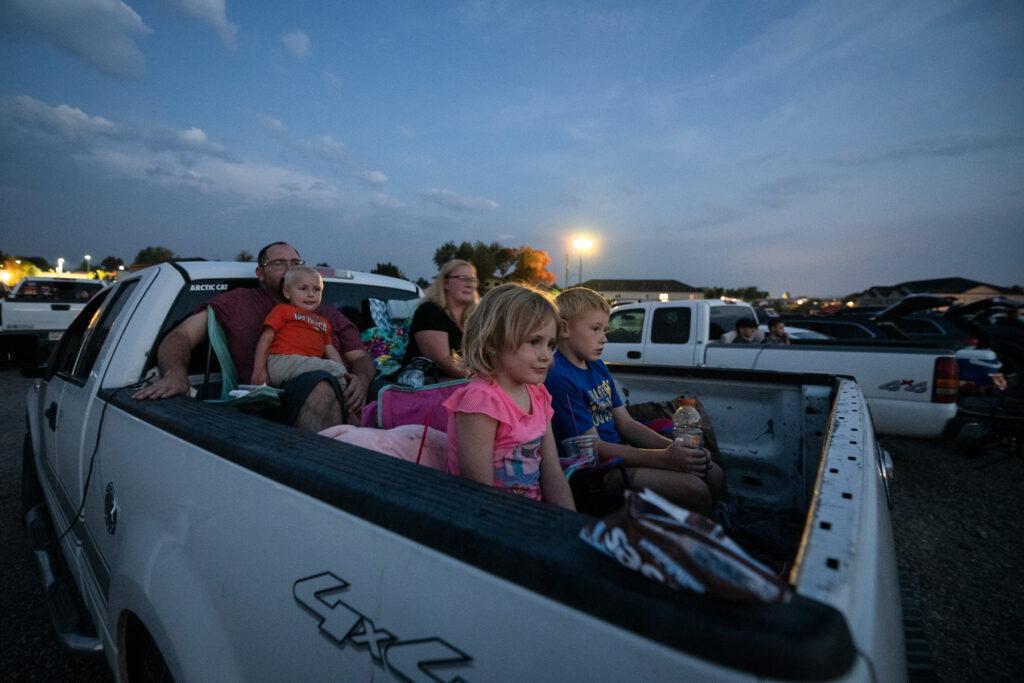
pixel 313 401
pixel 746 333
pixel 776 332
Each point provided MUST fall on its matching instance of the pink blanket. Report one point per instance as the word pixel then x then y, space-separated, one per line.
pixel 399 442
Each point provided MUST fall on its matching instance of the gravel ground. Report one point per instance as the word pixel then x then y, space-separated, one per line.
pixel 29 650
pixel 957 522
pixel 958 525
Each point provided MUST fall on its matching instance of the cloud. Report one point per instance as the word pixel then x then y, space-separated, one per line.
pixel 273 125
pixel 949 146
pixel 210 12
pixel 102 33
pixel 62 120
pixel 384 201
pixel 325 147
pixel 30 116
pixel 778 193
pixel 297 43
pixel 372 177
pixel 332 78
pixel 456 202
pixel 407 132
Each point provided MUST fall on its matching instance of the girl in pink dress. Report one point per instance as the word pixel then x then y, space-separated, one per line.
pixel 499 425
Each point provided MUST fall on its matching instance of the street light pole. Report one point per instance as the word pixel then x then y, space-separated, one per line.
pixel 88 263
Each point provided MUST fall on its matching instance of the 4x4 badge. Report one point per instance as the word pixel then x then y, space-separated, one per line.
pixel 407 660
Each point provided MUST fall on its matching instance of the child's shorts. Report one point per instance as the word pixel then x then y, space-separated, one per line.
pixel 281 368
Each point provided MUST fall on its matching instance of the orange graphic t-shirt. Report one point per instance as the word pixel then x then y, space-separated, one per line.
pixel 297 332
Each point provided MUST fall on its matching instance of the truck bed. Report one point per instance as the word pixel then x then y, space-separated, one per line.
pixel 464 526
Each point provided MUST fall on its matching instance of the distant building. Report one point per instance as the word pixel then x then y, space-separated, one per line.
pixel 963 290
pixel 644 290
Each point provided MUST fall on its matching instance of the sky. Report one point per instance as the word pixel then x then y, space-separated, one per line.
pixel 812 147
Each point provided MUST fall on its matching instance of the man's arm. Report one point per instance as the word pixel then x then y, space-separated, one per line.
pixel 362 373
pixel 173 356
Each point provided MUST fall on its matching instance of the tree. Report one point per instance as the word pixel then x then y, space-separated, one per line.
pixel 531 267
pixel 390 269
pixel 244 256
pixel 488 259
pixel 153 255
pixel 37 261
pixel 111 263
pixel 422 282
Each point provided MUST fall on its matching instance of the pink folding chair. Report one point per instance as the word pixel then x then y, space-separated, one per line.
pixel 400 405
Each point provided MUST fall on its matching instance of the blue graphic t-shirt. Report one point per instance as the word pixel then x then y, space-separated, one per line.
pixel 582 399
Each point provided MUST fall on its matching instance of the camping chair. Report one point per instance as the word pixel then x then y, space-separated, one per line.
pixel 218 346
pixel 402 405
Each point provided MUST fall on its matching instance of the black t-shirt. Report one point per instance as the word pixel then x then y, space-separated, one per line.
pixel 430 316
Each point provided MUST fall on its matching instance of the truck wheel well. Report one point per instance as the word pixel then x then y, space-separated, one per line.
pixel 141 659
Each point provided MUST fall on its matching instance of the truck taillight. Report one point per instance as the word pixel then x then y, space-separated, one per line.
pixel 946 381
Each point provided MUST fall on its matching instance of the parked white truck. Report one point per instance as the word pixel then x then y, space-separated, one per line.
pixel 38 310
pixel 911 388
pixel 213 544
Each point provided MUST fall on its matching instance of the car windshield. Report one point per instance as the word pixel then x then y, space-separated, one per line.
pixel 56 291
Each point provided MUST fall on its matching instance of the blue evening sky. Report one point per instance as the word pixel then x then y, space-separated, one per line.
pixel 815 147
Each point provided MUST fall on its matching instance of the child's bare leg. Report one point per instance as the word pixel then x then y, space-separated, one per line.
pixel 686 490
pixel 715 480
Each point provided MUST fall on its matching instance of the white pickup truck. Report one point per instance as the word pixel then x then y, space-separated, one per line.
pixel 38 310
pixel 911 388
pixel 212 544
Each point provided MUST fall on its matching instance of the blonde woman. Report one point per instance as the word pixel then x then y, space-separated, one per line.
pixel 437 325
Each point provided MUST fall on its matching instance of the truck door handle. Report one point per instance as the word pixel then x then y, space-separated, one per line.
pixel 51 416
pixel 60 307
pixel 632 354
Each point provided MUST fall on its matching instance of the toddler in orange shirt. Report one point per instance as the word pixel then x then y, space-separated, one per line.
pixel 295 340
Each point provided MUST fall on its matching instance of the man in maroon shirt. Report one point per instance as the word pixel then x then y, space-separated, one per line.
pixel 241 313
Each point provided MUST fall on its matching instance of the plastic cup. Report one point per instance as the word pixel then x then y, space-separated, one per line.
pixel 690 437
pixel 581 450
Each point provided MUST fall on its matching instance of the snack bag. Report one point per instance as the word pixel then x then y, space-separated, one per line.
pixel 682 549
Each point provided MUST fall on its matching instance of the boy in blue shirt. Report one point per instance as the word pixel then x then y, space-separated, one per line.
pixel 585 401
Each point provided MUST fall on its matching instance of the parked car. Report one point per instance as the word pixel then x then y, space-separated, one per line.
pixel 997 318
pixel 912 319
pixel 34 315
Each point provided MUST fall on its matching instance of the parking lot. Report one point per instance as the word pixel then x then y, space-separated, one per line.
pixel 958 529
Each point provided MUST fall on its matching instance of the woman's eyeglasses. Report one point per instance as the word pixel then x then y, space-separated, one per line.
pixel 281 263
pixel 464 278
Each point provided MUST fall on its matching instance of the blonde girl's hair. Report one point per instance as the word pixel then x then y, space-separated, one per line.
pixel 435 292
pixel 505 317
pixel 577 301
pixel 295 272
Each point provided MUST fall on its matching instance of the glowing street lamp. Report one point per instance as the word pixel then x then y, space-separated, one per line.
pixel 581 245
pixel 88 263
pixel 60 264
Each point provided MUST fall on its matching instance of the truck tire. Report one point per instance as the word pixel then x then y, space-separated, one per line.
pixel 31 489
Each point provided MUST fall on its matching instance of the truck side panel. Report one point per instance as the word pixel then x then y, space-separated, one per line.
pixel 898 393
pixel 269 584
